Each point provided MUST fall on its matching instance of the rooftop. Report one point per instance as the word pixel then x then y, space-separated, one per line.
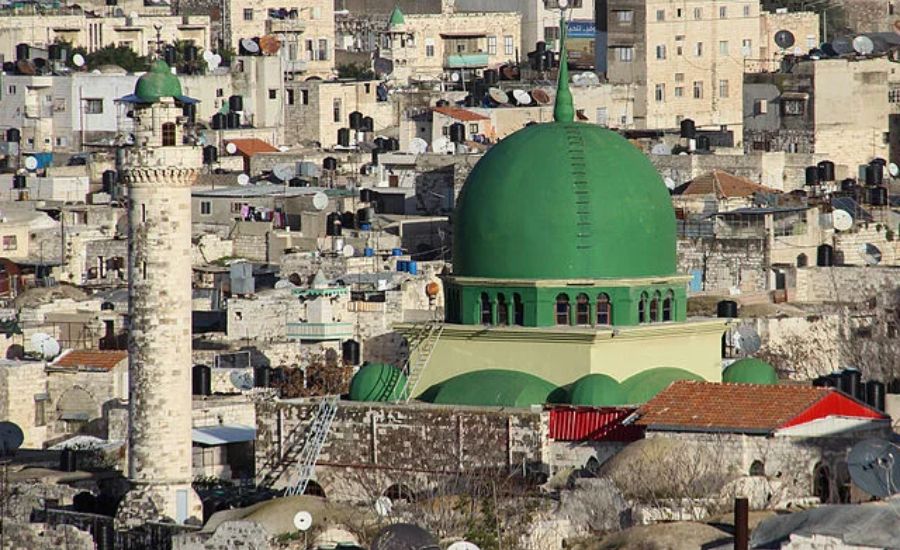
pixel 460 114
pixel 93 359
pixel 266 190
pixel 723 185
pixel 251 146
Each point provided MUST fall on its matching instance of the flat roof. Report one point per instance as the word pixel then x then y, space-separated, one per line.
pixel 268 190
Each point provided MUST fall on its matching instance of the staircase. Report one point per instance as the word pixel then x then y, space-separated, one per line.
pixel 424 343
pixel 312 446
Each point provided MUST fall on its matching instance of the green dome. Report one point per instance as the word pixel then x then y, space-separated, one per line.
pixel 377 382
pixel 564 200
pixel 396 18
pixel 750 370
pixel 643 386
pixel 491 388
pixel 157 83
pixel 596 390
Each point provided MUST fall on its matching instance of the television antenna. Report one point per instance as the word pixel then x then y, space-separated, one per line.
pixel 250 46
pixel 348 251
pixel 662 149
pixel 874 466
pixel 242 380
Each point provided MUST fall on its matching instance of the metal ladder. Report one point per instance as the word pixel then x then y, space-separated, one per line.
pixel 312 447
pixel 426 342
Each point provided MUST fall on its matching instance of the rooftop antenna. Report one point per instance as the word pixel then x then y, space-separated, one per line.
pixel 158 28
pixel 563 110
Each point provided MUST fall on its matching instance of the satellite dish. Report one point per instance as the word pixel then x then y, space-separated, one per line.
pixel 284 283
pixel 465 545
pixel 863 45
pixel 418 146
pixel 242 380
pixel 243 179
pixel 454 77
pixel 784 39
pixel 874 466
pixel 442 145
pixel 302 520
pixel 871 253
pixel 269 44
pixel 231 148
pixel 383 506
pixel 498 96
pixel 216 60
pixel 15 352
pixel 78 60
pixel 661 149
pixel 207 55
pixel 841 220
pixel 11 437
pixel 249 46
pixel 746 339
pixel 45 345
pixel 133 15
pixel 540 96
pixel 31 163
pixel 842 45
pixel 348 251
pixel 893 170
pixel 563 4
pixel 670 183
pixel 284 171
pixel 590 79
pixel 521 97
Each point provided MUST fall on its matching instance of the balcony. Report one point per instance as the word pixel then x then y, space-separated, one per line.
pixel 466 60
pixel 366 307
pixel 275 26
pixel 319 331
pixel 295 65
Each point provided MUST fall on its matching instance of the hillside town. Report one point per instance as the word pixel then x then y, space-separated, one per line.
pixel 450 274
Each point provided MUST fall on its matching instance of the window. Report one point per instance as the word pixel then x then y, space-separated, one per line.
pixel 473 128
pixel 508 46
pixel 746 47
pixel 602 116
pixel 248 14
pixel 93 106
pixel 793 107
pixel 62 141
pixel 679 50
pixel 811 42
pixel 429 50
pixel 894 95
pixel 758 468
pixel 642 308
pixel 304 97
pixel 40 410
pixel 624 16
pixel 273 93
pixel 290 96
pixel 487 313
pixel 518 310
pixel 723 47
pixel 654 308
pixel 168 134
pixel 660 15
pixel 502 310
pixel 679 77
pixel 624 53
pixel 604 310
pixel 336 110
pixel 679 91
pixel 205 208
pixel 660 92
pixel 802 260
pixel 698 13
pixel 723 88
pixel 668 304
pixel 723 12
pixel 220 92
pixel 323 49
pixel 661 51
pixel 492 45
pixel 583 310
pixel 698 49
pixel 9 242
pixel 679 13
pixel 698 89
pixel 747 10
pixel 562 309
pixel 11 89
pixel 761 107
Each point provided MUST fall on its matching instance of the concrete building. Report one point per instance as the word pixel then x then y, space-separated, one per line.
pixel 315 110
pixel 803 26
pixel 159 171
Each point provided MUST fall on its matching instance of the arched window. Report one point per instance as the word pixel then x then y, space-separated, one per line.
pixel 562 309
pixel 168 134
pixel 758 468
pixel 802 260
pixel 502 310
pixel 667 306
pixel 642 308
pixel 583 310
pixel 487 314
pixel 518 310
pixel 822 483
pixel 604 310
pixel 654 308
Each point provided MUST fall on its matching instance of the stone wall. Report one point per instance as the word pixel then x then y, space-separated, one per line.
pixel 844 284
pixel 209 248
pixel 20 383
pixel 725 264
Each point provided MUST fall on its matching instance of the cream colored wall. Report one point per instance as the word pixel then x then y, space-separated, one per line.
pixel 317 118
pixel 803 25
pixel 19 384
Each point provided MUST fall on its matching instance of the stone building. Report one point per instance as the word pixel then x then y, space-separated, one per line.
pixel 803 25
pixel 24 399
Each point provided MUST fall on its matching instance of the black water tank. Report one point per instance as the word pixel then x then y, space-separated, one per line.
pixel 368 124
pixel 13 135
pixel 540 47
pixel 457 132
pixel 366 195
pixel 329 163
pixel 297 182
pixel 261 377
pixel 812 175
pixel 364 215
pixel 823 382
pixel 875 394
pixel 109 181
pixel 878 196
pixel 54 52
pixel 470 101
pixel 350 352
pixel 189 110
pixel 68 460
pixel 210 154
pixel 233 120
pixel 825 255
pixel 727 309
pixel 826 170
pixel 703 143
pixel 874 174
pixel 201 380
pixel 19 182
pixel 343 137
pixel 440 103
pixel 375 152
pixel 851 382
pixel 848 185
pixel 491 77
pixel 688 130
pixel 218 121
pixel 356 120
pixel 235 103
pixel 348 219
pixel 23 51
pixel 333 225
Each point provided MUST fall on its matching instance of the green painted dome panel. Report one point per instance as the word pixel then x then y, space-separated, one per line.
pixel 750 370
pixel 644 385
pixel 397 17
pixel 377 382
pixel 492 388
pixel 563 201
pixel 157 83
pixel 596 390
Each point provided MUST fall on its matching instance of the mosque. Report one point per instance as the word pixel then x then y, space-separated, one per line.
pixel 564 285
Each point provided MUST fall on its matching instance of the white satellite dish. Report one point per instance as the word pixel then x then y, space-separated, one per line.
pixel 563 4
pixel 466 545
pixel 133 15
pixel 45 345
pixel 454 77
pixel 320 200
pixel 302 520
pixel 207 55
pixel 243 179
pixel 231 148
pixel 521 97
pixel 78 60
pixel 348 251
pixel 241 380
pixel 746 339
pixel 893 170
pixel 871 253
pixel 31 163
pixel 284 148
pixel 661 149
pixel 670 183
pixel 442 145
pixel 284 283
pixel 588 78
pixel 863 45
pixel 841 220
pixel 215 60
pixel 250 46
pixel 418 146
pixel 383 506
pixel 284 171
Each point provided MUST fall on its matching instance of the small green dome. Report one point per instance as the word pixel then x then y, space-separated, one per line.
pixel 377 382
pixel 750 370
pixel 564 200
pixel 158 82
pixel 596 390
pixel 492 388
pixel 644 385
pixel 397 17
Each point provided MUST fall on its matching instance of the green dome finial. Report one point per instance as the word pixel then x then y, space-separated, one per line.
pixel 563 110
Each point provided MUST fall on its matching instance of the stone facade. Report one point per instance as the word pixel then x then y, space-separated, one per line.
pixel 720 266
pixel 24 399
pixel 315 109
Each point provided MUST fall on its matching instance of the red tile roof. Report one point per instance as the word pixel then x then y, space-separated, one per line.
pixel 460 114
pixel 251 146
pixel 745 408
pixel 723 185
pixel 101 360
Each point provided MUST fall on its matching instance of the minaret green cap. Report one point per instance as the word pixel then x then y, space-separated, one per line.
pixel 563 110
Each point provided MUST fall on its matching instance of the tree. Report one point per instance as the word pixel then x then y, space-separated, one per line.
pixel 355 71
pixel 123 56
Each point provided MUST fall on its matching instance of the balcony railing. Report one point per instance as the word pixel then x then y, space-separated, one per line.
pixel 274 26
pixel 319 331
pixel 465 60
